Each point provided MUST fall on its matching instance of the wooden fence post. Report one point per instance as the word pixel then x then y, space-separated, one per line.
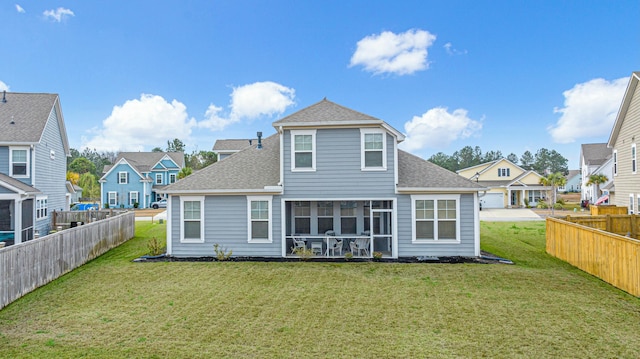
pixel 608 223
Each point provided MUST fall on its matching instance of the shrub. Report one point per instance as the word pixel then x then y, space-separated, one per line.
pixel 348 256
pixel 542 205
pixel 221 253
pixel 557 206
pixel 304 253
pixel 561 201
pixel 136 204
pixel 526 203
pixel 155 246
pixel 106 205
pixel 377 256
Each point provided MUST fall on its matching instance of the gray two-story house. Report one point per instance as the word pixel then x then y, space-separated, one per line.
pixel 330 181
pixel 33 164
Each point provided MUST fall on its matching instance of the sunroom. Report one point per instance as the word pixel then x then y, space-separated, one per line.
pixel 339 228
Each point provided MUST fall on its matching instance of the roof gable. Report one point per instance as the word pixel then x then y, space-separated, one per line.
pixel 146 161
pixel 121 161
pixel 594 154
pixel 624 108
pixel 23 117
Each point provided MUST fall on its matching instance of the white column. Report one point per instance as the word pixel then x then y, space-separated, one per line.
pixel 17 221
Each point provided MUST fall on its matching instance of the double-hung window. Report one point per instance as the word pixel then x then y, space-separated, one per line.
pixel 133 198
pixel 259 219
pixel 192 222
pixel 123 177
pixel 303 150
pixel 436 218
pixel 112 199
pixel 19 166
pixel 633 158
pixel 158 178
pixel 172 178
pixel 615 162
pixel 41 208
pixel 374 154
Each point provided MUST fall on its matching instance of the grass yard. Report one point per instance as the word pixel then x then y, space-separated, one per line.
pixel 114 308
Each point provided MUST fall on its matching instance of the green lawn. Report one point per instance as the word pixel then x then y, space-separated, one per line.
pixel 540 307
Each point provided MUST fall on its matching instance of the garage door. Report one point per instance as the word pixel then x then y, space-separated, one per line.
pixel 492 200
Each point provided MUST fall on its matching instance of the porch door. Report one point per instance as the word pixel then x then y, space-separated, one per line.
pixel 382 231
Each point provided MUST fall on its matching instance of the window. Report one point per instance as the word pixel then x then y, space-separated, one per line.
pixel 436 218
pixel 158 178
pixel 504 172
pixel 302 217
pixel 19 166
pixel 303 144
pixel 41 208
pixel 631 205
pixel 259 219
pixel 633 158
pixel 638 204
pixel 192 224
pixel 123 177
pixel 112 199
pixel 133 198
pixel 172 178
pixel 374 154
pixel 325 216
pixel 348 217
pixel 615 162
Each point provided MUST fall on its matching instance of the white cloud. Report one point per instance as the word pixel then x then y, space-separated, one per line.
pixel 400 54
pixel 249 102
pixel 58 14
pixel 20 9
pixel 448 47
pixel 3 86
pixel 142 123
pixel 437 128
pixel 590 109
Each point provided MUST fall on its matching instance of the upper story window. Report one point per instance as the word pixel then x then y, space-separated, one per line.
pixel 158 178
pixel 374 154
pixel 19 166
pixel 172 178
pixel 633 158
pixel 123 177
pixel 615 162
pixel 504 172
pixel 303 150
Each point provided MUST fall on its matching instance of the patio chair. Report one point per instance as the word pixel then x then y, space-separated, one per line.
pixel 334 245
pixel 360 245
pixel 298 244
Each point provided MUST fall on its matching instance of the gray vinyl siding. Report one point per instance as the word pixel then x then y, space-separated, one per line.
pixel 338 172
pixel 50 174
pixel 4 160
pixel 225 223
pixel 625 182
pixel 466 246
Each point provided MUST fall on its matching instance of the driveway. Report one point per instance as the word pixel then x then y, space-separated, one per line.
pixel 508 215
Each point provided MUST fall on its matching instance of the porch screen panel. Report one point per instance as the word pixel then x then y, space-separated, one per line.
pixel 348 217
pixel 325 217
pixel 302 217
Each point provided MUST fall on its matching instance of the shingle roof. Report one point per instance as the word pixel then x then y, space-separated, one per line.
pixel 595 154
pixel 24 115
pixel 232 144
pixel 326 111
pixel 21 186
pixel 415 172
pixel 249 169
pixel 144 161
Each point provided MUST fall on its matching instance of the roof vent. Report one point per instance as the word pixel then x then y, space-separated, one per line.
pixel 12 121
pixel 4 96
pixel 259 141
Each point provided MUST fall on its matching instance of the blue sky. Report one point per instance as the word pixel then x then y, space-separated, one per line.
pixel 503 75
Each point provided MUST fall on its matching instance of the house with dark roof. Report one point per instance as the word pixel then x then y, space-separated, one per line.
pixel 596 159
pixel 330 181
pixel 623 141
pixel 227 147
pixel 33 164
pixel 136 179
pixel 510 186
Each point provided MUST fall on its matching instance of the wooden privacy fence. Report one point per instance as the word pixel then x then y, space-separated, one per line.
pixel 622 224
pixel 602 210
pixel 29 265
pixel 65 219
pixel 608 256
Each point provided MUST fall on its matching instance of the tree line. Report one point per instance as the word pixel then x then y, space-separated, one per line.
pixel 544 161
pixel 86 168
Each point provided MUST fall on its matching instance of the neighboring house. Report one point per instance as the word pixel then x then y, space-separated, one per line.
pixel 33 164
pixel 574 182
pixel 623 141
pixel 225 148
pixel 74 193
pixel 138 177
pixel 509 184
pixel 593 160
pixel 331 180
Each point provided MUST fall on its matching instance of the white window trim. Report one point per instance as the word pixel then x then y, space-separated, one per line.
pixel 415 198
pixel 115 197
pixel 631 205
pixel 634 157
pixel 615 162
pixel 269 200
pixel 158 176
pixel 366 131
pixel 192 199
pixel 293 134
pixel 19 148
pixel 126 177
pixel 172 178
pixel 131 202
pixel 39 207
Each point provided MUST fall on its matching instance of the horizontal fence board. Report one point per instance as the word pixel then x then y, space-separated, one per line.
pixel 29 265
pixel 608 256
